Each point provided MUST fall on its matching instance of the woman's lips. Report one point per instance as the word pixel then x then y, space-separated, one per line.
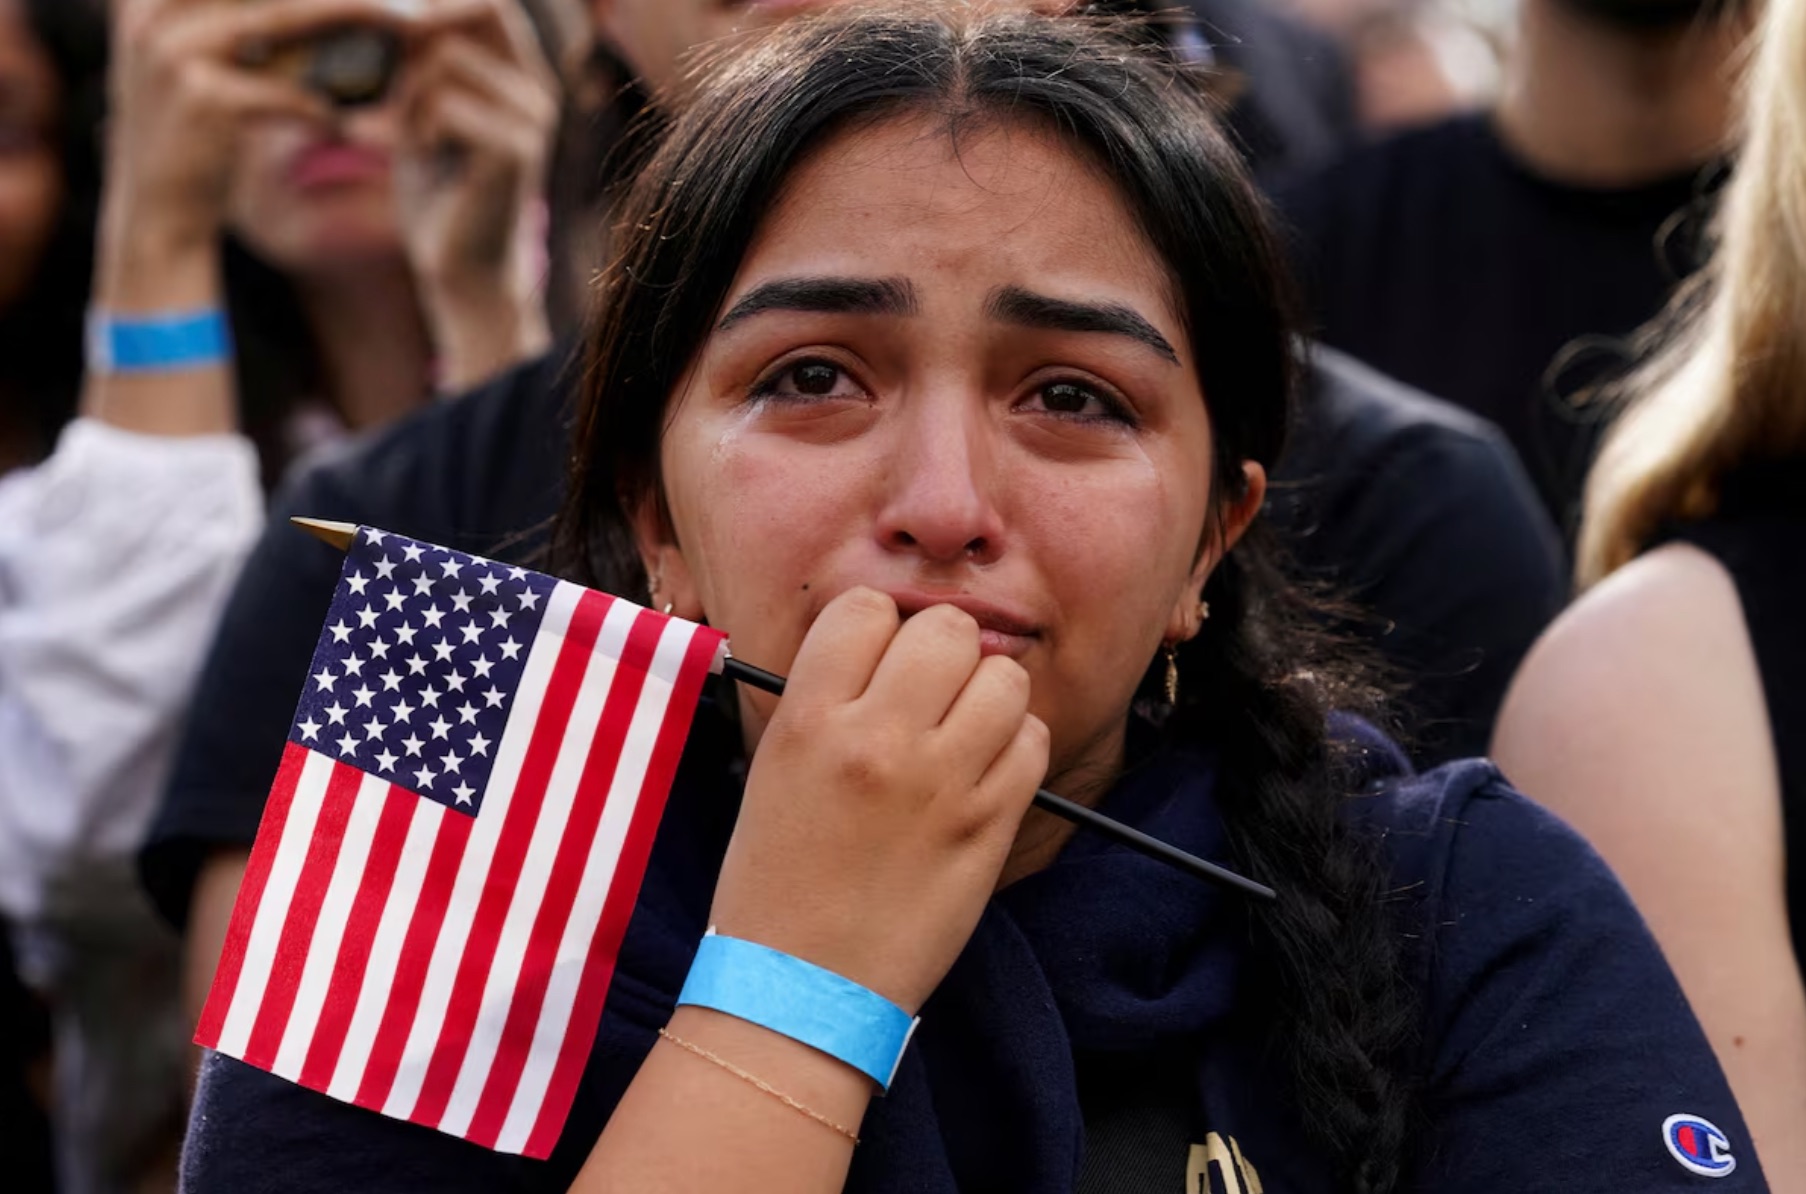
pixel 996 642
pixel 336 163
pixel 1000 631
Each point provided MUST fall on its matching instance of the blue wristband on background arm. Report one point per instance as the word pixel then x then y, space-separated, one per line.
pixel 800 1000
pixel 158 343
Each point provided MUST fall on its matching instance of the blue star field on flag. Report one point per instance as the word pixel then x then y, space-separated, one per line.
pixel 418 665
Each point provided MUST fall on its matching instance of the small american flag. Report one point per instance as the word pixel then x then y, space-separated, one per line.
pixel 455 840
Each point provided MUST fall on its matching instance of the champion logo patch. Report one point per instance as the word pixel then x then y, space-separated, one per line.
pixel 1698 1145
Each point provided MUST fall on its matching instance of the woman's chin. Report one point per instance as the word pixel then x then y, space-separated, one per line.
pixel 339 250
pixel 329 242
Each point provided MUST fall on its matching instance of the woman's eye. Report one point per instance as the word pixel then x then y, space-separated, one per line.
pixel 808 379
pixel 1076 399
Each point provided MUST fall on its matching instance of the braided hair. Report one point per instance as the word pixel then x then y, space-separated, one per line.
pixel 1257 683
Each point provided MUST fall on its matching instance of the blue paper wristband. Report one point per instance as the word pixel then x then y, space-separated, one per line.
pixel 157 344
pixel 802 1001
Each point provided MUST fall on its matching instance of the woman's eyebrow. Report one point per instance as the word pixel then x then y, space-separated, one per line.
pixel 829 295
pixel 1012 304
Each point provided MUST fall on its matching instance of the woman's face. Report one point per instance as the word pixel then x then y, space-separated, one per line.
pixel 954 377
pixel 31 172
pixel 311 196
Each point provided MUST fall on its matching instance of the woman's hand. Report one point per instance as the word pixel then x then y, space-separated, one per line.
pixel 883 798
pixel 479 108
pixel 181 99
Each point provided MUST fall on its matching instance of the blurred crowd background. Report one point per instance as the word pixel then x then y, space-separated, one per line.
pixel 1490 203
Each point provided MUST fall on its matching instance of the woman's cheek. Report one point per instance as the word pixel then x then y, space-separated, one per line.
pixel 769 526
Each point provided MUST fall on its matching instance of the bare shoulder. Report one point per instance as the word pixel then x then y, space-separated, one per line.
pixel 1654 663
pixel 1640 720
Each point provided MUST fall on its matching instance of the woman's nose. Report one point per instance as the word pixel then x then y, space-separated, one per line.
pixel 939 500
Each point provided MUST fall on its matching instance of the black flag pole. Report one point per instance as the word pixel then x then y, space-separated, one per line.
pixel 341 535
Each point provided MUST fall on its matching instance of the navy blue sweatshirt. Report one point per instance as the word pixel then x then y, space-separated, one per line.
pixel 1111 1001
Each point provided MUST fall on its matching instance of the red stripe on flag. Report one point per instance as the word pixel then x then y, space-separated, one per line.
pixel 250 895
pixel 605 946
pixel 360 935
pixel 303 914
pixel 416 956
pixel 562 884
pixel 510 855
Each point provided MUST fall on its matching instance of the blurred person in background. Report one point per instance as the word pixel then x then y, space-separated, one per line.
pixel 52 88
pixel 1664 715
pixel 370 252
pixel 1462 583
pixel 54 61
pixel 408 232
pixel 1471 257
pixel 1411 61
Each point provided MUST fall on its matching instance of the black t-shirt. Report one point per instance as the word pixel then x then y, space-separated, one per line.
pixel 1416 506
pixel 1418 515
pixel 1439 259
pixel 1758 534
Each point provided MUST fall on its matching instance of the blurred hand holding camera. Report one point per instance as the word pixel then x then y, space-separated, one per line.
pixel 183 91
pixel 478 103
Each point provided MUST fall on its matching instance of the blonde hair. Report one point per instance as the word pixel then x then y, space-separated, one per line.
pixel 1727 378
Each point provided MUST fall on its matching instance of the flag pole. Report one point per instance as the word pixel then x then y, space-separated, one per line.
pixel 338 534
pixel 342 534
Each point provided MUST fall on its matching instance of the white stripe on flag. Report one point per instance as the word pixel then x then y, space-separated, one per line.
pixel 385 952
pixel 529 892
pixel 473 872
pixel 272 909
pixel 592 892
pixel 329 929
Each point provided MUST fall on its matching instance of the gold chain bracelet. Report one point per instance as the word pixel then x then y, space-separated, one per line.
pixel 760 1083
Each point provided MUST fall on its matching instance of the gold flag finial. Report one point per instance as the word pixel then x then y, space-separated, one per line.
pixel 339 534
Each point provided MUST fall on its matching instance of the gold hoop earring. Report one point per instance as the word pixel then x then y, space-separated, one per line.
pixel 1172 674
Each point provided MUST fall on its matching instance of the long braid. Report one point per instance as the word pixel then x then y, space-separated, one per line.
pixel 1327 944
